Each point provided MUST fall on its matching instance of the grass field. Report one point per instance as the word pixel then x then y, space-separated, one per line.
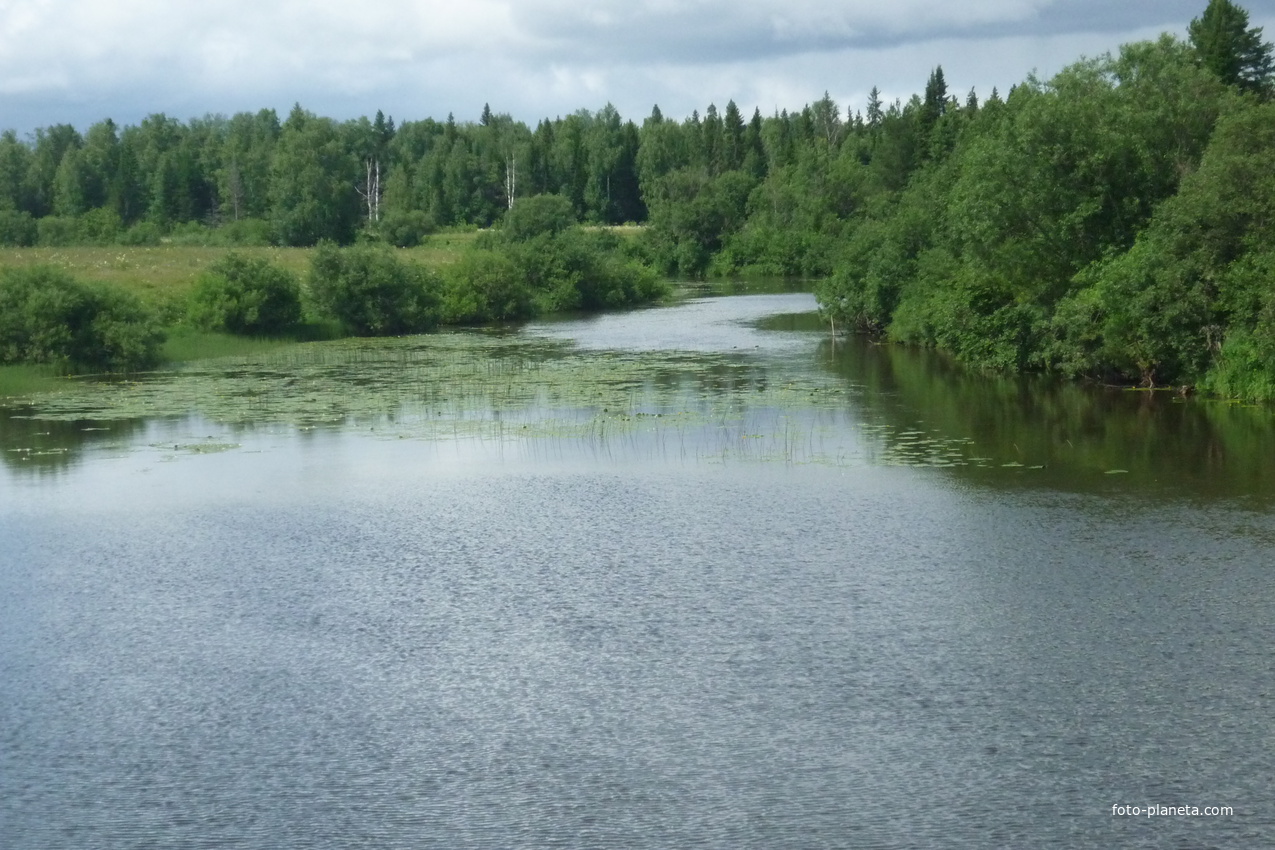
pixel 163 275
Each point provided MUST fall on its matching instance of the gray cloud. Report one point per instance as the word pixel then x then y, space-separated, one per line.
pixel 78 61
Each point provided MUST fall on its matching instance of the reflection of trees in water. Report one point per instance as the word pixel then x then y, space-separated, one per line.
pixel 42 446
pixel 1076 431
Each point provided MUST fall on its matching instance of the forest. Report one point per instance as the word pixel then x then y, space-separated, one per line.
pixel 1115 222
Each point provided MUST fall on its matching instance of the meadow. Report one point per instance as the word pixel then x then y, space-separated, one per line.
pixel 164 275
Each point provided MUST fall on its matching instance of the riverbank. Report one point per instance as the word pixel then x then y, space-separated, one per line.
pixel 164 275
pixel 92 310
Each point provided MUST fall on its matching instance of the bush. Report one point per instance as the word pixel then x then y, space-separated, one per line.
pixel 545 270
pixel 537 215
pixel 192 233
pixel 142 233
pixel 246 295
pixel 486 286
pixel 580 269
pixel 246 232
pixel 99 226
pixel 372 292
pixel 58 231
pixel 17 229
pixel 46 316
pixel 406 229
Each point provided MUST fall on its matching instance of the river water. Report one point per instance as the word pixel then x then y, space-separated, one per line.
pixel 694 576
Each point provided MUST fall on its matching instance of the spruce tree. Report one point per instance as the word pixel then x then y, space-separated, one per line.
pixel 1227 46
pixel 935 97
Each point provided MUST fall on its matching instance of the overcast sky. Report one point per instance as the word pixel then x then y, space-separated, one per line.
pixel 78 61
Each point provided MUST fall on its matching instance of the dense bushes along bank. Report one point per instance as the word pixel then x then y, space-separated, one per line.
pixel 539 262
pixel 1115 222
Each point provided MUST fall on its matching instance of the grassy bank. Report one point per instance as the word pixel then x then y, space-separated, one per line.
pixel 166 274
pixel 70 306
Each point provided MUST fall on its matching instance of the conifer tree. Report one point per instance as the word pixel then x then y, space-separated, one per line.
pixel 875 113
pixel 1227 46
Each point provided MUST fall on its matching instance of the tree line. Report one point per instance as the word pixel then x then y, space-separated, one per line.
pixel 308 178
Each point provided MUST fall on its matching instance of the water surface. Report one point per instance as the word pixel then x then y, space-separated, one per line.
pixel 696 576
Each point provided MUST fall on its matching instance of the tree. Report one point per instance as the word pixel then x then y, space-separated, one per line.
pixel 733 154
pixel 1227 46
pixel 935 104
pixel 243 181
pixel 50 146
pixel 15 160
pixel 826 118
pixel 875 114
pixel 312 183
pixel 71 185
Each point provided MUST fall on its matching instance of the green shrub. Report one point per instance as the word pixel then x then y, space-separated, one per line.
pixel 546 270
pixel 100 226
pixel 406 228
pixel 246 295
pixel 58 231
pixel 485 286
pixel 245 232
pixel 372 292
pixel 17 229
pixel 192 233
pixel 578 269
pixel 142 233
pixel 46 316
pixel 537 215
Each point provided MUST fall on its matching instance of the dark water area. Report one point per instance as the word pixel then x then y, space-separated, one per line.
pixel 698 576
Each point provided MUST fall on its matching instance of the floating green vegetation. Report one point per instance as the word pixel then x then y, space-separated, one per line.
pixel 501 386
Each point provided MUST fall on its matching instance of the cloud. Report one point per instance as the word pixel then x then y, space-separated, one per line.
pixel 81 60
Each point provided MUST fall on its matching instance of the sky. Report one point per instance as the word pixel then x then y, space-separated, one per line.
pixel 80 61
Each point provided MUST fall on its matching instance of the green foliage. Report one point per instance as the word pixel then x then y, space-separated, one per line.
pixel 797 219
pixel 1191 300
pixel 246 295
pixel 537 215
pixel 142 233
pixel 1245 365
pixel 486 286
pixel 57 231
pixel 99 226
pixel 881 259
pixel 372 292
pixel 549 272
pixel 312 184
pixel 1229 48
pixel 17 229
pixel 406 228
pixel 46 316
pixel 1069 228
pixel 692 214
pixel 1153 315
pixel 245 233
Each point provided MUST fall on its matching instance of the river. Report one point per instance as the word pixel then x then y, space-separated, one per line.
pixel 691 576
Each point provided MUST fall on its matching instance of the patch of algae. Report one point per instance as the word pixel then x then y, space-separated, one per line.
pixel 469 385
